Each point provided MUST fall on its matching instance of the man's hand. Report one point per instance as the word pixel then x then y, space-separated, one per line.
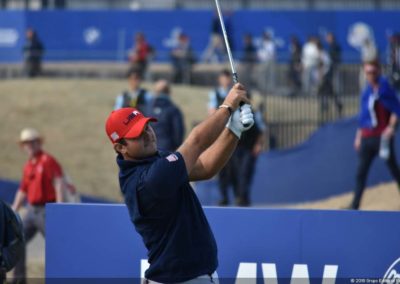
pixel 239 119
pixel 357 143
pixel 236 96
pixel 388 132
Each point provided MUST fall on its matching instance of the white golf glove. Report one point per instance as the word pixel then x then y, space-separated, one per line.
pixel 241 117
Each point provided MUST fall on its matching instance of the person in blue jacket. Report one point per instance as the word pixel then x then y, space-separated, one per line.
pixel 170 127
pixel 379 112
pixel 156 187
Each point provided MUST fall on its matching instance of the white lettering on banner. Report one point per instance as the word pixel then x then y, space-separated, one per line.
pixel 269 272
pixel 392 276
pixel 8 37
pixel 299 273
pixel 247 273
pixel 330 273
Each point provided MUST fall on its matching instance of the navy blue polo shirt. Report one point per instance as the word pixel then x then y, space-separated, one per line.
pixel 169 217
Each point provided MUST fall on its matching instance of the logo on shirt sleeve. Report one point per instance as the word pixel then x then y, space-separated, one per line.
pixel 172 158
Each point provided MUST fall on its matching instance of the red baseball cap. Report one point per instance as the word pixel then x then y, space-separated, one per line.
pixel 126 123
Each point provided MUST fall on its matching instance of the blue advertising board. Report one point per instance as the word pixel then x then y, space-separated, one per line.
pixel 108 35
pixel 279 246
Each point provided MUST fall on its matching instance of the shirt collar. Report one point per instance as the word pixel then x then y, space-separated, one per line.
pixel 36 158
pixel 128 164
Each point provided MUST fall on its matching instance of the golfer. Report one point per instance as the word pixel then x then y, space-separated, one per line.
pixel 161 203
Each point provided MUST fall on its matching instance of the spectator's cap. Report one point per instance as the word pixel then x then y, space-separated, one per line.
pixel 29 134
pixel 126 123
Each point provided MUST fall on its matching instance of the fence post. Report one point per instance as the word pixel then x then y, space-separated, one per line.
pixel 121 45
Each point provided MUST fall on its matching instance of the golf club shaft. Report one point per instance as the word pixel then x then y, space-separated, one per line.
pixel 228 48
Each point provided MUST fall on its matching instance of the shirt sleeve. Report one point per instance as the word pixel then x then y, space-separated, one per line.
pixel 212 100
pixel 55 169
pixel 119 102
pixel 166 176
pixel 24 183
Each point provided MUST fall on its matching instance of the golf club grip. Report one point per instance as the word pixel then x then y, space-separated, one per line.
pixel 240 107
pixel 235 78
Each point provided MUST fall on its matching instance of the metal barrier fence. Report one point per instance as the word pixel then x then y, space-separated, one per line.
pixel 291 121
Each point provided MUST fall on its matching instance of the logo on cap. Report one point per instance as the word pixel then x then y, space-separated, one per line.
pixel 131 117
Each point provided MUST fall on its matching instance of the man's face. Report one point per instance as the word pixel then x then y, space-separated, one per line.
pixel 134 81
pixel 29 34
pixel 31 148
pixel 225 81
pixel 329 38
pixel 372 73
pixel 141 147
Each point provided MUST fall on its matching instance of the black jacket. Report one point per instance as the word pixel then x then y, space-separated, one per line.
pixel 169 129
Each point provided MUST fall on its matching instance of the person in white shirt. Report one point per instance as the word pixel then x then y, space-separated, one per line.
pixel 267 55
pixel 310 62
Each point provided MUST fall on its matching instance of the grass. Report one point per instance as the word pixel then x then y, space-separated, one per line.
pixel 71 116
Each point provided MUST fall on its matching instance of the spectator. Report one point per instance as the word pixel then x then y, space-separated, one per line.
pixel 394 60
pixel 42 183
pixel 170 129
pixel 295 66
pixel 310 63
pixel 325 85
pixel 182 60
pixel 244 160
pixel 267 55
pixel 11 239
pixel 249 59
pixel 334 51
pixel 215 51
pixel 216 98
pixel 329 85
pixel 140 54
pixel 136 96
pixel 238 172
pixel 33 52
pixel 369 53
pixel 379 113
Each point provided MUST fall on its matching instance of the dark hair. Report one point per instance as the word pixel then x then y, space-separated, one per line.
pixel 134 72
pixel 225 72
pixel 374 63
pixel 121 141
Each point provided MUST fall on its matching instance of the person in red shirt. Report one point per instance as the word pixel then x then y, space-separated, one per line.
pixel 42 183
pixel 140 54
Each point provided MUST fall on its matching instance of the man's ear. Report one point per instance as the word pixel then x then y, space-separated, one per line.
pixel 119 148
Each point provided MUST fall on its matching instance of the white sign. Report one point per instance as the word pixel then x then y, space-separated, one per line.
pixel 91 35
pixel 8 37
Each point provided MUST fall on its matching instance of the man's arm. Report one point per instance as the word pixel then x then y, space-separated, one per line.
pixel 357 140
pixel 208 131
pixel 59 188
pixel 391 127
pixel 18 200
pixel 215 157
